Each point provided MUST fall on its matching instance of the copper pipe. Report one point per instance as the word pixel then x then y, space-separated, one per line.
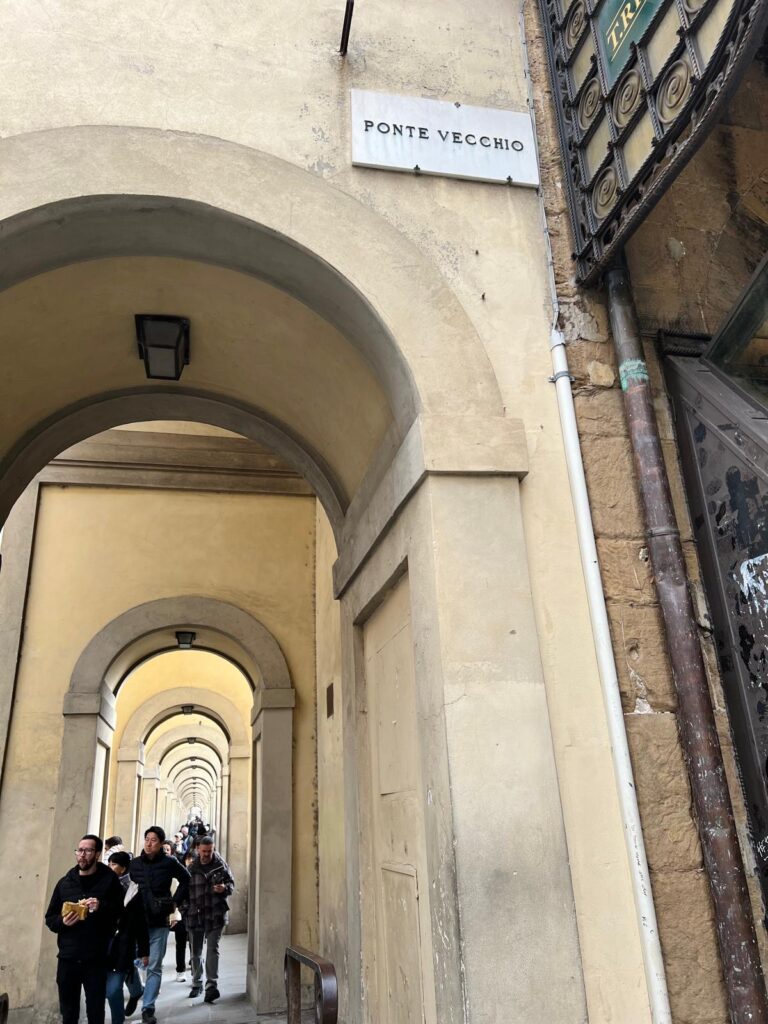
pixel 742 973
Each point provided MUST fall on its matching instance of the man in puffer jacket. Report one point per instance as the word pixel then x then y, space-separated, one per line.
pixel 153 872
pixel 83 944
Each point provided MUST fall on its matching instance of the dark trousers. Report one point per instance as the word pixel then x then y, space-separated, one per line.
pixel 89 975
pixel 180 935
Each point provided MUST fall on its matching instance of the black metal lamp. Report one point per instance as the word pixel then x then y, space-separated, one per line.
pixel 185 638
pixel 163 344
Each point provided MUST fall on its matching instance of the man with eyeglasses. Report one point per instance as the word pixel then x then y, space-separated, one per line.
pixel 84 938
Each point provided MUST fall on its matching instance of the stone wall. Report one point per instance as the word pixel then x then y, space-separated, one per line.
pixel 710 220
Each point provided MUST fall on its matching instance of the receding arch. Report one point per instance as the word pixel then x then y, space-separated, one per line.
pixel 179 737
pixel 103 412
pixel 151 628
pixel 176 712
pixel 168 703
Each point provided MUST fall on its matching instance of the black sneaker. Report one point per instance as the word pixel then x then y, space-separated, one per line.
pixel 130 1006
pixel 148 1016
pixel 195 991
pixel 211 994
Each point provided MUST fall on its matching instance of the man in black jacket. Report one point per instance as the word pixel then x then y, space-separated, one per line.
pixel 83 944
pixel 153 872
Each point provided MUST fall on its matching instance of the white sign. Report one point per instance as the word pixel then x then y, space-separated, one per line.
pixel 405 133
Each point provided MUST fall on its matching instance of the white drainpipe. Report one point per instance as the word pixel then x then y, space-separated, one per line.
pixel 653 960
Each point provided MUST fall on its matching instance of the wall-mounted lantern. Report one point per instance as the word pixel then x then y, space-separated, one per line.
pixel 192 739
pixel 187 709
pixel 163 344
pixel 185 639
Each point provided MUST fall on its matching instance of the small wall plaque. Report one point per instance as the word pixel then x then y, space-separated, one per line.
pixel 406 133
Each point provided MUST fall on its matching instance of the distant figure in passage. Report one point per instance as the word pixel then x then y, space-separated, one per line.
pixel 83 913
pixel 211 882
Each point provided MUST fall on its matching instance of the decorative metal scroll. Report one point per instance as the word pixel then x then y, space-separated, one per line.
pixel 637 84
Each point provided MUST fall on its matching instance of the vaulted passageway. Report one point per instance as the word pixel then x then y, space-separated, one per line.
pixel 373 477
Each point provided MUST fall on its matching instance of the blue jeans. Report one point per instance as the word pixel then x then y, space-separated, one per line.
pixel 158 940
pixel 115 981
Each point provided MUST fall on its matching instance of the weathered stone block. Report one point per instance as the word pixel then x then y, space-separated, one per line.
pixel 601 374
pixel 642 662
pixel 581 353
pixel 600 411
pixel 612 489
pixel 626 571
pixel 663 793
pixel 689 943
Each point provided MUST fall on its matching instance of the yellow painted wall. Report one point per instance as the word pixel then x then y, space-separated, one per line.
pixel 99 552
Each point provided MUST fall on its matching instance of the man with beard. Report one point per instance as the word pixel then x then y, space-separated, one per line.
pixel 84 934
pixel 153 872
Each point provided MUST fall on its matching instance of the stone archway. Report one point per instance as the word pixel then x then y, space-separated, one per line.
pixel 140 755
pixel 89 720
pixel 230 211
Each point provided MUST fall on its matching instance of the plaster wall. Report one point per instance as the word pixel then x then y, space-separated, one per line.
pixel 97 553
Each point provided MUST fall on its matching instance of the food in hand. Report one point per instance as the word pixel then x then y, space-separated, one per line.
pixel 81 909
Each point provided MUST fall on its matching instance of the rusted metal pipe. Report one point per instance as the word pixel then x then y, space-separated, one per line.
pixel 744 982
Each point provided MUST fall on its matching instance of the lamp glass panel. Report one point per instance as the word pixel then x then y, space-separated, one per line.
pixel 663 41
pixel 638 146
pixel 709 34
pixel 161 362
pixel 597 148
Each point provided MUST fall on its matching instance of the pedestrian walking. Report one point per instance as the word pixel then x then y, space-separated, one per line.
pixel 211 882
pixel 153 872
pixel 83 912
pixel 131 937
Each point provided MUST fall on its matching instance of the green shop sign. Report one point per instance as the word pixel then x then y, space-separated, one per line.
pixel 620 22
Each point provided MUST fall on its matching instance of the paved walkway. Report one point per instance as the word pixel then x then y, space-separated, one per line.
pixel 175 1007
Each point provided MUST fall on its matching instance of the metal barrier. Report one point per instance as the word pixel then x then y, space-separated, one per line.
pixel 326 986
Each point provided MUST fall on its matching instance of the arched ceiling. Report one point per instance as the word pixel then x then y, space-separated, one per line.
pixel 70 332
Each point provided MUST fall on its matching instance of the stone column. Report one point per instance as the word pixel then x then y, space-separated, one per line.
pixel 216 816
pixel 161 814
pixel 272 843
pixel 238 828
pixel 130 765
pixel 89 720
pixel 18 541
pixel 147 805
pixel 498 894
pixel 224 812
